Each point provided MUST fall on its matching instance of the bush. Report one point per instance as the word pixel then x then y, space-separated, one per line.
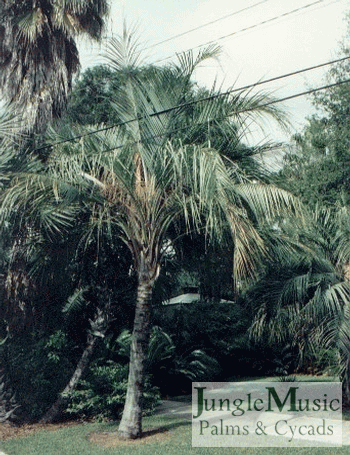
pixel 172 372
pixel 102 394
pixel 30 364
pixel 218 329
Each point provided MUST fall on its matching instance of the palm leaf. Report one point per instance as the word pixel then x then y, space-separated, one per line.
pixel 75 302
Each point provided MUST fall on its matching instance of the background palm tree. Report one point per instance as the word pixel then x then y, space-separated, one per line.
pixel 38 60
pixel 302 299
pixel 38 54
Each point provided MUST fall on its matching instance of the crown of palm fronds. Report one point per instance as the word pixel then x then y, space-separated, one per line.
pixel 141 179
pixel 38 54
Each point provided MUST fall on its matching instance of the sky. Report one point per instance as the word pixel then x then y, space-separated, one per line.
pixel 267 39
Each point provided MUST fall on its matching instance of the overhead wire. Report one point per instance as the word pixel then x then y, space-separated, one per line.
pixel 209 98
pixel 234 33
pixel 251 27
pixel 240 111
pixel 229 91
pixel 205 25
pixel 179 35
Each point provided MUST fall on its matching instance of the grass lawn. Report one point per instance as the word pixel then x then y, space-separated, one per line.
pixel 174 440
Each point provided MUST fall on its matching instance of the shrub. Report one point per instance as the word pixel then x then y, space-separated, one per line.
pixel 102 394
pixel 30 364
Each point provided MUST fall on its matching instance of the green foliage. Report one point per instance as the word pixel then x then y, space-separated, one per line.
pixel 135 182
pixel 318 165
pixel 217 330
pixel 313 171
pixel 102 394
pixel 91 100
pixel 323 360
pixel 37 369
pixel 166 366
pixel 197 366
pixel 75 301
pixel 56 345
pixel 303 299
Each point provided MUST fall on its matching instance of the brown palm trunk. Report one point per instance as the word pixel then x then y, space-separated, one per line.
pixel 131 423
pixel 346 385
pixel 56 408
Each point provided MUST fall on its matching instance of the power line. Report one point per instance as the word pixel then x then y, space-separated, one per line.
pixel 166 40
pixel 205 25
pixel 251 27
pixel 208 98
pixel 234 33
pixel 240 111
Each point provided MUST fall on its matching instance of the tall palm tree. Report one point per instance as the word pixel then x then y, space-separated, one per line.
pixel 38 54
pixel 38 60
pixel 140 179
pixel 143 201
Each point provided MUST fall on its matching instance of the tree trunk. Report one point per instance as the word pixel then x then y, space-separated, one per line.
pixel 56 408
pixel 346 385
pixel 131 423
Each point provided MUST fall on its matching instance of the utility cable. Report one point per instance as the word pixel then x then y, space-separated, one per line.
pixel 240 111
pixel 205 25
pixel 208 98
pixel 233 33
pixel 251 27
pixel 166 40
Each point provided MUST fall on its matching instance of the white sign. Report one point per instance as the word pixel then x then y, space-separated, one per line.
pixel 267 414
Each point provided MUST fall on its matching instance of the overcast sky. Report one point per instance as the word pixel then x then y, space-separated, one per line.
pixel 291 42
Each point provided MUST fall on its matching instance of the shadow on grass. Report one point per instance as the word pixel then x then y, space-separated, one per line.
pixel 167 427
pixel 151 435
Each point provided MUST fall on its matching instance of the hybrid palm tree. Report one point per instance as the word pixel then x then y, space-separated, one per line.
pixel 141 180
pixel 38 53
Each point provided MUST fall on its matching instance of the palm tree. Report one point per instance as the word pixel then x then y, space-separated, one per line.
pixel 303 298
pixel 38 54
pixel 143 201
pixel 141 180
pixel 38 60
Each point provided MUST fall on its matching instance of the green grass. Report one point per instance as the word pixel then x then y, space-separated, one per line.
pixel 74 441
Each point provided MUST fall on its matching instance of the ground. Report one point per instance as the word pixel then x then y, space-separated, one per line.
pixel 10 431
pixel 105 439
pixel 150 436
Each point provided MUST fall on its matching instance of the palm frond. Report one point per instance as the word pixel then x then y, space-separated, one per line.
pixel 75 302
pixel 188 62
pixel 31 24
pixel 124 53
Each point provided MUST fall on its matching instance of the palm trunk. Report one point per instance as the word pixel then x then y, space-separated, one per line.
pixel 131 423
pixel 346 385
pixel 56 408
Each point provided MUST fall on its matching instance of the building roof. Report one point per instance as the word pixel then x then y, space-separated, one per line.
pixel 188 298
